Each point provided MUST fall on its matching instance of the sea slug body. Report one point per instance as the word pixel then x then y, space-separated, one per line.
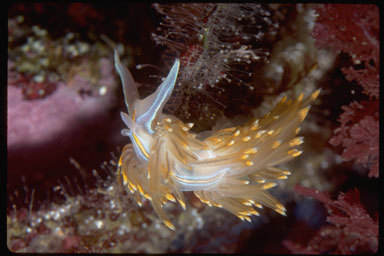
pixel 231 169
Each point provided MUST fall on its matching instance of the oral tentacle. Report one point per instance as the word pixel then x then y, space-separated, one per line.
pixel 131 95
pixel 159 98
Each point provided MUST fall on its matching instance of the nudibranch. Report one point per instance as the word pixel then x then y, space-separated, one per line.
pixel 231 169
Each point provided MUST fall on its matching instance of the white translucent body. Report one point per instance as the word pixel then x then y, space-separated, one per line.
pixel 231 169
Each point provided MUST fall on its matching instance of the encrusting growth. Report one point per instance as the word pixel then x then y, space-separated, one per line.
pixel 231 169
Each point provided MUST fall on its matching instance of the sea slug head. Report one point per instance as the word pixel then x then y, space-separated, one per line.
pixel 142 113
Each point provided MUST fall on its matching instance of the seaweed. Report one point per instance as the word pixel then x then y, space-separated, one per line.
pixel 358 25
pixel 351 229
